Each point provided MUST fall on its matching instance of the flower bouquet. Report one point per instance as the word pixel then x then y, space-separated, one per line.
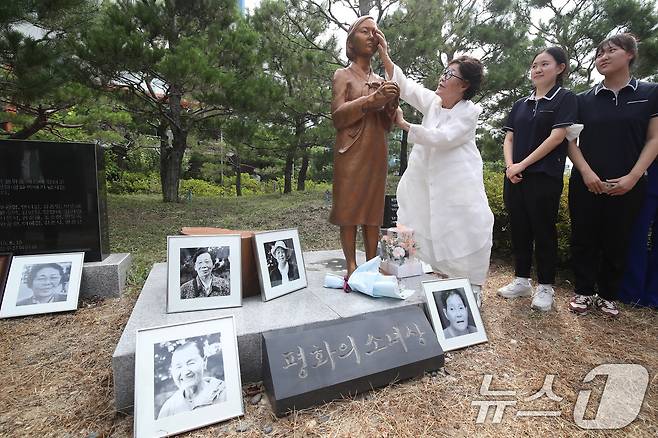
pixel 398 249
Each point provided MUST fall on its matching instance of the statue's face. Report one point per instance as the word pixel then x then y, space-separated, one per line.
pixel 363 41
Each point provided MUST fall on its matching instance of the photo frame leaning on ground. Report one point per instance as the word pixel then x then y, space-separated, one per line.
pixel 221 380
pixel 180 268
pixel 266 244
pixel 459 288
pixel 20 292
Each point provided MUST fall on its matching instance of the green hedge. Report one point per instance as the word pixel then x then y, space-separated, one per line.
pixel 135 182
pixel 493 184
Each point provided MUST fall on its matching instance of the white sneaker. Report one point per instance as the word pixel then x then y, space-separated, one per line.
pixel 477 293
pixel 520 287
pixel 543 298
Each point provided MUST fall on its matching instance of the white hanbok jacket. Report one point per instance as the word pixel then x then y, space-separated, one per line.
pixel 441 194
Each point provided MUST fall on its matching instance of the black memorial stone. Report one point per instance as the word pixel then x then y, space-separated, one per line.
pixel 390 211
pixel 316 363
pixel 52 198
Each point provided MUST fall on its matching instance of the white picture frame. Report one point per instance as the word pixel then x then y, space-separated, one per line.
pixel 267 246
pixel 220 254
pixel 169 360
pixel 44 283
pixel 454 313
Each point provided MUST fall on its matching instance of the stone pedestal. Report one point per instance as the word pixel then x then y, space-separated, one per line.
pixel 105 279
pixel 313 304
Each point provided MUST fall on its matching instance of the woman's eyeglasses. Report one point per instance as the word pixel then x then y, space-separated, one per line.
pixel 449 73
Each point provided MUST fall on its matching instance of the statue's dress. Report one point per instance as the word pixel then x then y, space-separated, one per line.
pixel 360 151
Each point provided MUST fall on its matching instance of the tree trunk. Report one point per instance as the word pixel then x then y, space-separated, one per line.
pixel 287 172
pixel 364 6
pixel 290 155
pixel 404 159
pixel 303 170
pixel 171 162
pixel 238 175
pixel 171 155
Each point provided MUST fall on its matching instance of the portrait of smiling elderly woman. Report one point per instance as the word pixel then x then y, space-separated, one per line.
pixel 285 269
pixel 195 390
pixel 46 283
pixel 205 283
pixel 456 312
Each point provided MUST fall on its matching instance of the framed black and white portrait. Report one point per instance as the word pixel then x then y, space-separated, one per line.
pixel 203 272
pixel 187 376
pixel 280 262
pixel 454 313
pixel 43 283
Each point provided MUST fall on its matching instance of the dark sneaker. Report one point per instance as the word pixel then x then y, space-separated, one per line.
pixel 581 304
pixel 607 307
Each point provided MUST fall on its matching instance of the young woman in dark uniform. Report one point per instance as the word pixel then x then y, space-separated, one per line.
pixel 608 185
pixel 535 150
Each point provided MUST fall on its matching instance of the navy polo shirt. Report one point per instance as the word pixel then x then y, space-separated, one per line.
pixel 615 126
pixel 532 120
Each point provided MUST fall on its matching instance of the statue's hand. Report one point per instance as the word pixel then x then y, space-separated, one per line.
pixel 397 88
pixel 386 92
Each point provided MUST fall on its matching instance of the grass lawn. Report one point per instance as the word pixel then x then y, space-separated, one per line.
pixel 57 378
pixel 140 224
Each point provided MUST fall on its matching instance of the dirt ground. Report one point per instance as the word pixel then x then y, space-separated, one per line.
pixel 57 378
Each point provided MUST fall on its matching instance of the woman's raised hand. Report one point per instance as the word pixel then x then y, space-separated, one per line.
pixel 383 45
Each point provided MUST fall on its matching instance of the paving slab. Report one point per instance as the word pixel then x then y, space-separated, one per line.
pixel 313 304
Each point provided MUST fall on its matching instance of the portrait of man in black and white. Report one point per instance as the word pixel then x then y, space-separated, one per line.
pixel 44 283
pixel 188 375
pixel 455 314
pixel 205 272
pixel 281 262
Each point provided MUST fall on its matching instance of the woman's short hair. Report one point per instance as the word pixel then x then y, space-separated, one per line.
pixel 34 270
pixel 560 56
pixel 471 70
pixel 448 294
pixel 626 41
pixel 202 251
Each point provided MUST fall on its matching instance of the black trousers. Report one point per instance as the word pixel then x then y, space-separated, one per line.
pixel 601 226
pixel 532 206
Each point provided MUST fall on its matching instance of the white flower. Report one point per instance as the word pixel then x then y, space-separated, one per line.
pixel 398 252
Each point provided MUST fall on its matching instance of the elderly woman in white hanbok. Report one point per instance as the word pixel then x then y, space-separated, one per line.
pixel 441 194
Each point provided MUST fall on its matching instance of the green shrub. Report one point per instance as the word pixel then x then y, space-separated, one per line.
pixel 134 182
pixel 319 186
pixel 199 187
